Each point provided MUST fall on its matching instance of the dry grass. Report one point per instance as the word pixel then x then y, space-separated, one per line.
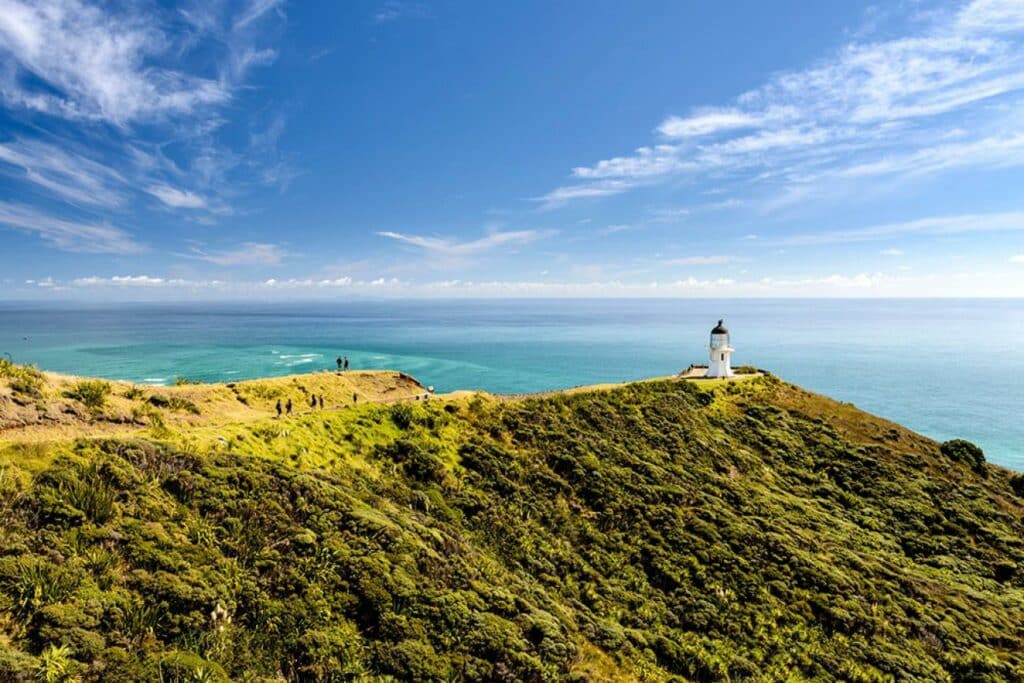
pixel 55 413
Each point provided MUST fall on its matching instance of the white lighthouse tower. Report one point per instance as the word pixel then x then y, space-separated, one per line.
pixel 719 353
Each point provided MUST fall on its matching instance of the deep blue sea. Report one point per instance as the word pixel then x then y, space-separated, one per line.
pixel 946 368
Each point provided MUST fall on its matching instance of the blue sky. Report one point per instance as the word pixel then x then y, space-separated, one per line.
pixel 266 149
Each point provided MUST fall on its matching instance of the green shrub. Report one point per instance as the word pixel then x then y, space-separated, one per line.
pixel 133 392
pixel 90 392
pixel 173 403
pixel 24 379
pixel 401 415
pixel 57 666
pixel 1017 484
pixel 90 494
pixel 184 381
pixel 32 584
pixel 961 450
pixel 264 391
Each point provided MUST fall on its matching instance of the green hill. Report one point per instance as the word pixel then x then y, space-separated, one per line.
pixel 658 531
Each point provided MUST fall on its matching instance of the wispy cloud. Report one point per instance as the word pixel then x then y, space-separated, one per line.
pixel 891 252
pixel 561 195
pixel 95 64
pixel 255 10
pixel 62 173
pixel 247 254
pixel 617 228
pixel 709 121
pixel 456 248
pixel 177 198
pixel 936 225
pixel 393 10
pixel 699 260
pixel 872 108
pixel 70 64
pixel 69 235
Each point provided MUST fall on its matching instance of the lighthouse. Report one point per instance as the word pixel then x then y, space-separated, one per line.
pixel 719 352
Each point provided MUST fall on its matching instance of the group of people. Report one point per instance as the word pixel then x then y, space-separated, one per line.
pixel 287 407
pixel 315 401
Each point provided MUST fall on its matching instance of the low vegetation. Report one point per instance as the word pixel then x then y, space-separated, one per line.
pixel 91 393
pixel 173 403
pixel 23 379
pixel 662 531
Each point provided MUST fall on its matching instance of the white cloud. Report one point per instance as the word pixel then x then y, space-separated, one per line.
pixel 1017 258
pixel 393 10
pixel 858 281
pixel 155 75
pixel 990 152
pixel 255 10
pixel 68 235
pixel 769 139
pixel 603 188
pixel 806 285
pixel 613 229
pixel 708 121
pixel 454 248
pixel 65 174
pixel 248 254
pixel 96 62
pixel 891 252
pixel 936 225
pixel 699 260
pixel 992 15
pixel 870 108
pixel 644 163
pixel 177 198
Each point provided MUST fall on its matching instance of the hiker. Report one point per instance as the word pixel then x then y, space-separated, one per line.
pixel 278 407
pixel 321 399
pixel 338 361
pixel 288 406
pixel 346 362
pixel 355 398
pixel 312 401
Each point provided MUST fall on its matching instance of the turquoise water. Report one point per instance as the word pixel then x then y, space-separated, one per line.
pixel 946 368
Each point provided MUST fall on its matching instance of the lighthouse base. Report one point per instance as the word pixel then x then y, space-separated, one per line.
pixel 720 363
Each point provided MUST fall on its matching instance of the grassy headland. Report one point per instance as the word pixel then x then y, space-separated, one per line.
pixel 656 531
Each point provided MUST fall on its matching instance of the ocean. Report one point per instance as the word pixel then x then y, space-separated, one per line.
pixel 945 368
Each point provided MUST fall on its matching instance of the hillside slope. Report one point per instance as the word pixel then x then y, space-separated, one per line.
pixel 38 407
pixel 658 531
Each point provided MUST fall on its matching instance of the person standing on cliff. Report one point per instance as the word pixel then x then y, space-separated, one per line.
pixel 288 406
pixel 346 362
pixel 338 361
pixel 320 398
pixel 278 407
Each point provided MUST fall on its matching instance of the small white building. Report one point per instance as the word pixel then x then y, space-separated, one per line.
pixel 719 353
